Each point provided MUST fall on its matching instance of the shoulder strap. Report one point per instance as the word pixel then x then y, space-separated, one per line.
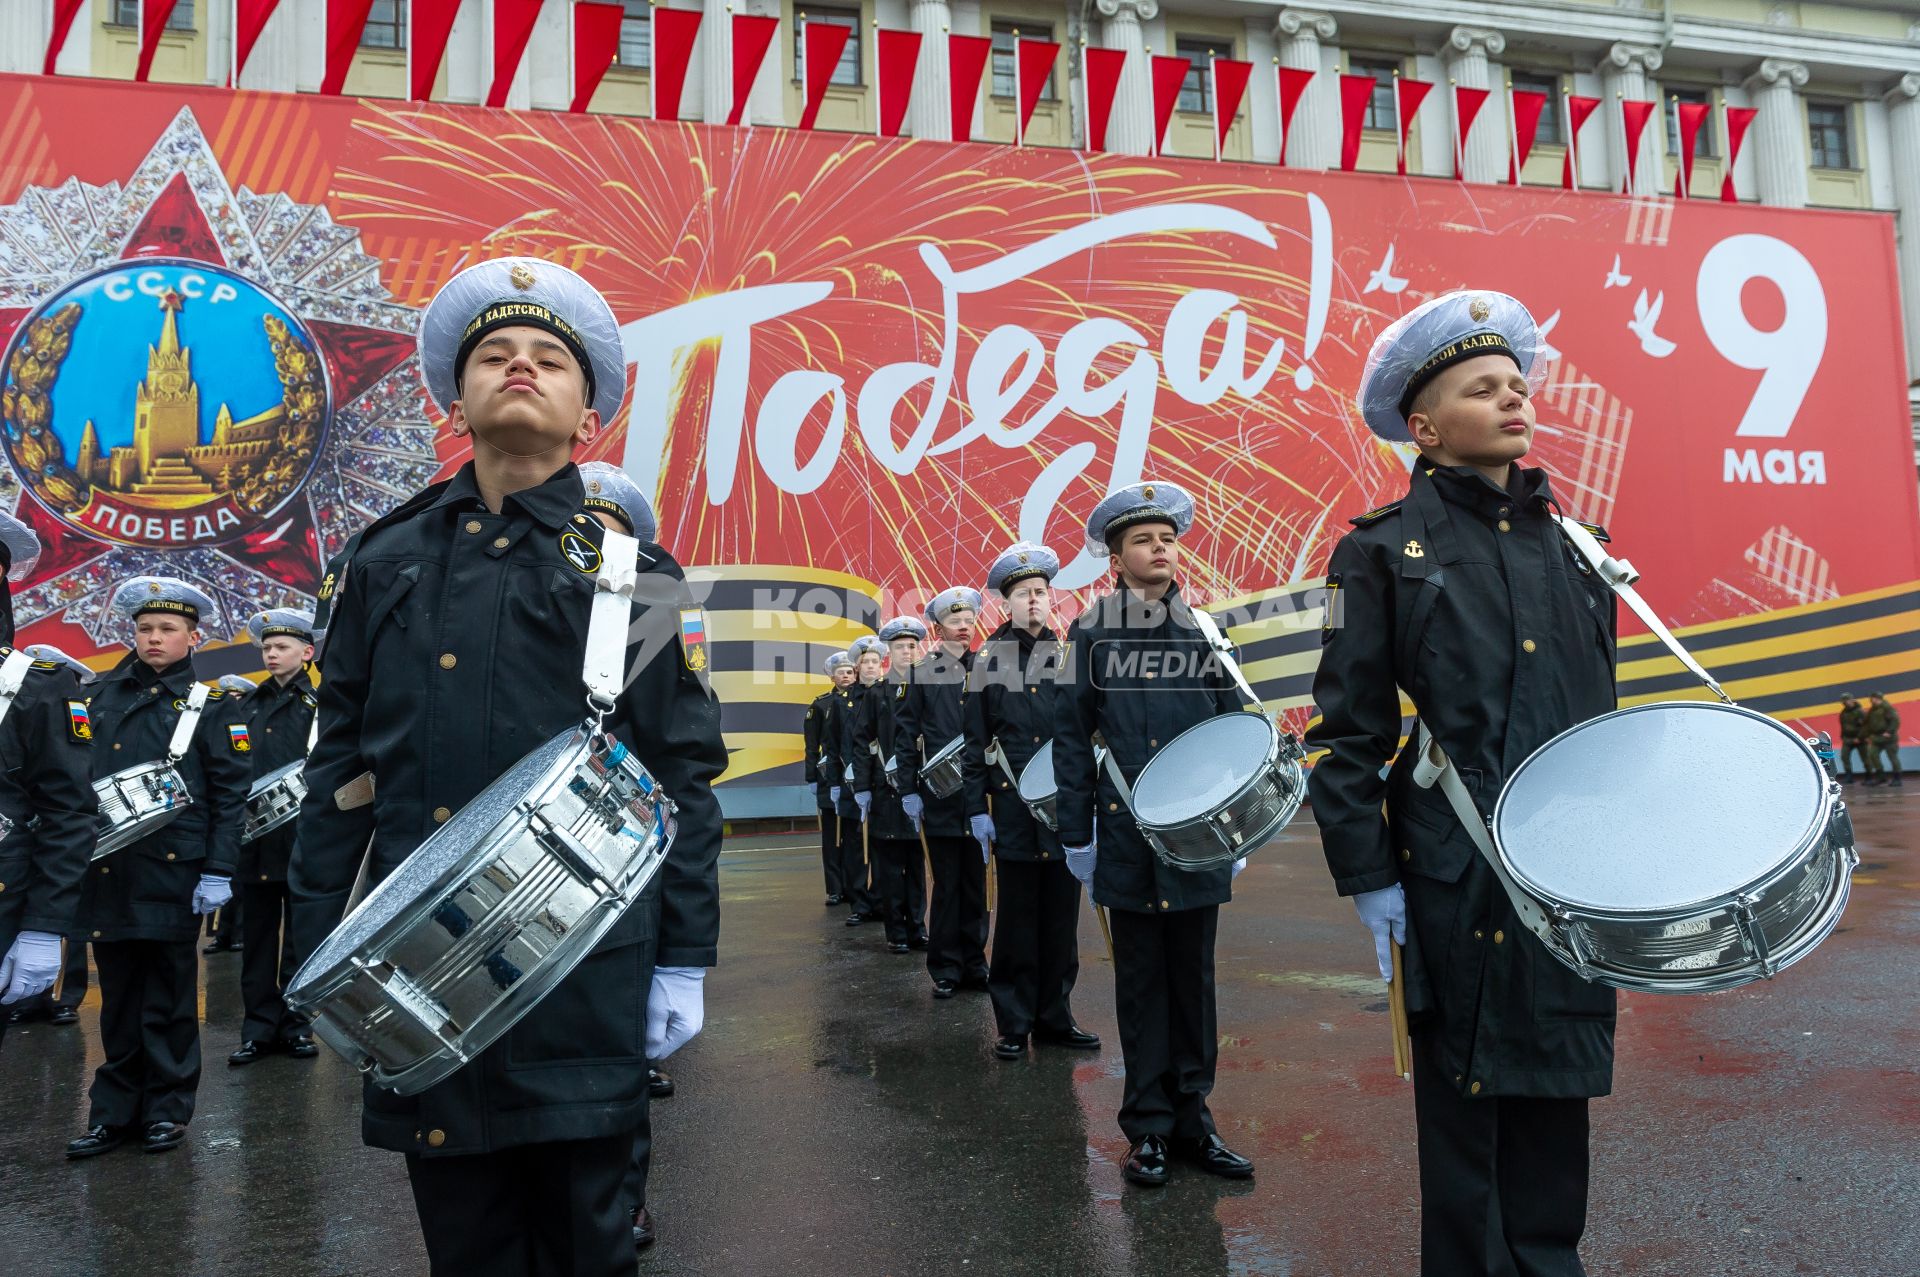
pixel 1434 767
pixel 610 619
pixel 182 738
pixel 1210 630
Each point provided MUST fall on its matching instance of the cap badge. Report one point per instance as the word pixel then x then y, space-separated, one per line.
pixel 520 277
pixel 1147 492
pixel 1480 308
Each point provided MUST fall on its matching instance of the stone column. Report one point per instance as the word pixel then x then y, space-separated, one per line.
pixel 1779 137
pixel 1903 128
pixel 25 28
pixel 1314 140
pixel 1466 55
pixel 1130 127
pixel 716 60
pixel 1623 78
pixel 274 64
pixel 930 110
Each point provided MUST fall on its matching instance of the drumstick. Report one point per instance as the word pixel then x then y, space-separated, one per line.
pixel 1105 930
pixel 1397 1012
pixel 60 976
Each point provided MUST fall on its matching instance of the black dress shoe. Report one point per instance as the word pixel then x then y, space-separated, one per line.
pixel 97 1140
pixel 659 1085
pixel 300 1047
pixel 977 983
pixel 1010 1048
pixel 212 946
pixel 1147 1163
pixel 161 1136
pixel 945 988
pixel 1075 1037
pixel 64 1015
pixel 919 941
pixel 249 1052
pixel 1212 1155
pixel 28 1014
pixel 836 899
pixel 642 1229
pixel 898 946
pixel 855 918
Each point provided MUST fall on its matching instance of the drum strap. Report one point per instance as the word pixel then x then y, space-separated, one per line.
pixel 1119 781
pixel 1619 576
pixel 1210 630
pixel 997 755
pixel 1434 766
pixel 13 676
pixel 182 739
pixel 612 615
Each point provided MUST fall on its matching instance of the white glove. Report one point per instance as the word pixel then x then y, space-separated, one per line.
pixel 864 801
pixel 916 809
pixel 982 827
pixel 211 893
pixel 1238 865
pixel 1385 913
pixel 676 1008
pixel 1081 860
pixel 833 794
pixel 32 962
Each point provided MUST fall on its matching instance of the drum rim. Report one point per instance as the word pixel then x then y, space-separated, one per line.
pixel 155 765
pixel 946 753
pixel 275 777
pixel 1273 753
pixel 1809 838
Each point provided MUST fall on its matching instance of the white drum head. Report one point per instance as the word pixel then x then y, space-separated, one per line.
pixel 1660 807
pixel 1198 771
pixel 1036 778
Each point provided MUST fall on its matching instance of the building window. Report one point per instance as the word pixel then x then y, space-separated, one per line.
pixel 386 25
pixel 1706 142
pixel 1005 36
pixel 1196 91
pixel 848 69
pixel 1552 130
pixel 1830 130
pixel 636 35
pixel 126 13
pixel 1380 107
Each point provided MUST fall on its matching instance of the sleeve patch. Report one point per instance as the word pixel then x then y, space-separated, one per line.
pixel 1330 608
pixel 693 638
pixel 237 736
pixel 79 725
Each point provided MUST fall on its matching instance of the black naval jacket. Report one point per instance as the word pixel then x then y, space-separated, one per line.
pixel 836 749
pixel 454 646
pixel 931 714
pixel 816 730
pixel 46 790
pixel 873 735
pixel 145 891
pixel 1139 674
pixel 1011 701
pixel 278 719
pixel 1470 600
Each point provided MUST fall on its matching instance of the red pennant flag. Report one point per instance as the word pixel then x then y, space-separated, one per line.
pixel 1293 84
pixel 1408 95
pixel 249 20
pixel 1578 111
pixel 966 62
pixel 346 19
pixel 1103 81
pixel 1692 116
pixel 63 15
pixel 596 43
pixel 821 44
pixel 1466 109
pixel 1634 117
pixel 1355 92
pixel 1229 87
pixel 674 31
pixel 899 53
pixel 1738 118
pixel 432 23
pixel 153 24
pixel 1033 65
pixel 1168 75
pixel 512 27
pixel 752 36
pixel 1527 105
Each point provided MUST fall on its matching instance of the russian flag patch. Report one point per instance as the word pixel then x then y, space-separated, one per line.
pixel 237 733
pixel 78 722
pixel 693 638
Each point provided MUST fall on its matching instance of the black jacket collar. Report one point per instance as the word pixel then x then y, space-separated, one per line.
pixel 552 503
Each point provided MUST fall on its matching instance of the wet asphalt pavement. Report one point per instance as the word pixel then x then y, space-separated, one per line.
pixel 833 1119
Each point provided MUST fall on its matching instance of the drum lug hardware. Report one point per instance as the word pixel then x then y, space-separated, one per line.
pixel 1752 934
pixel 1576 935
pixel 564 847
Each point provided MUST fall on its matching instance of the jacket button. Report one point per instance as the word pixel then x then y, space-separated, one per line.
pixel 1504 526
pixel 501 543
pixel 436 1138
pixel 1036 740
pixel 3 886
pixel 1527 645
pixel 104 870
pixel 1499 937
pixel 96 935
pixel 441 815
pixel 1505 511
pixel 1406 854
pixel 1479 934
pixel 1472 1090
pixel 263 877
pixel 1165 905
pixel 1113 806
pixel 448 660
pixel 169 855
pixel 1153 744
pixel 473 525
pixel 116 744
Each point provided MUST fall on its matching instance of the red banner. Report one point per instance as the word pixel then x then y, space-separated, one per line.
pixel 966 63
pixel 1103 81
pixel 1033 66
pixel 1738 119
pixel 1293 82
pixel 820 45
pixel 849 408
pixel 674 31
pixel 153 25
pixel 1355 92
pixel 1633 119
pixel 1168 75
pixel 250 19
pixel 898 55
pixel 1407 96
pixel 63 15
pixel 752 36
pixel 1691 115
pixel 1229 87
pixel 1527 106
pixel 512 27
pixel 596 43
pixel 430 25
pixel 346 19
pixel 1579 109
pixel 1466 109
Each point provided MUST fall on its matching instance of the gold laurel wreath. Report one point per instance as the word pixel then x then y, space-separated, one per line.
pixel 262 485
pixel 26 409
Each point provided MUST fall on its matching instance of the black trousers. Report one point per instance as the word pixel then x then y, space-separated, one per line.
pixel 1503 1181
pixel 540 1210
pixel 830 855
pixel 267 963
pixel 957 927
pixel 1163 1000
pixel 1036 947
pixel 149 1032
pixel 633 1194
pixel 858 879
pixel 902 874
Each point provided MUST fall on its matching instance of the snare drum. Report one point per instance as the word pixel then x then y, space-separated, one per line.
pixel 137 802
pixel 943 772
pixel 1219 790
pixel 1679 847
pixel 891 770
pixel 489 913
pixel 274 800
pixel 1040 791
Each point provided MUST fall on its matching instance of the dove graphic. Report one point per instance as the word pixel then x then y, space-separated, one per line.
pixel 1548 351
pixel 1614 278
pixel 1641 325
pixel 1384 280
